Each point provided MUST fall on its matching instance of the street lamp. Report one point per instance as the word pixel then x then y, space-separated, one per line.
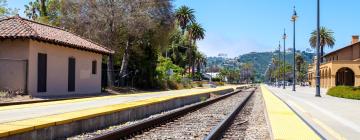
pixel 279 66
pixel 318 52
pixel 293 19
pixel 284 38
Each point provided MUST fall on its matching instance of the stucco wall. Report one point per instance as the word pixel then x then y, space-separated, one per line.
pixel 57 69
pixel 328 72
pixel 13 56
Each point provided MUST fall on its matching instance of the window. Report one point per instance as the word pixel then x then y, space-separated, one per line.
pixel 93 67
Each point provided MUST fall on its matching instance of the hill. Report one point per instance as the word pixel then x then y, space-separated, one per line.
pixel 260 60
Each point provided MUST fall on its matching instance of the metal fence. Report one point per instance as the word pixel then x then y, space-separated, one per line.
pixel 13 75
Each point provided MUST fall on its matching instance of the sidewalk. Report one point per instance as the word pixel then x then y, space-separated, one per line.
pixel 332 117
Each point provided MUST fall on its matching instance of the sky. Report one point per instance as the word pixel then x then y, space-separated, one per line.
pixel 236 27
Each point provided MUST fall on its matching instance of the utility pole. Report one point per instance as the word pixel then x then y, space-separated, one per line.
pixel 284 38
pixel 293 19
pixel 318 52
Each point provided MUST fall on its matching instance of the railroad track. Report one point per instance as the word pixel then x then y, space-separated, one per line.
pixel 208 120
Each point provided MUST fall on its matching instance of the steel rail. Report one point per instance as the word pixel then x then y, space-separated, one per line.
pixel 132 129
pixel 218 131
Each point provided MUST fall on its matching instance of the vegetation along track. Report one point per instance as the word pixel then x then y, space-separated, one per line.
pixel 191 122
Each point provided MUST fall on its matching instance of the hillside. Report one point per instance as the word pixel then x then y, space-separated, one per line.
pixel 260 60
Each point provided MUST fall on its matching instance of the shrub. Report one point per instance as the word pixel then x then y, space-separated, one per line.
pixel 219 83
pixel 200 84
pixel 164 65
pixel 173 84
pixel 186 82
pixel 345 92
pixel 216 79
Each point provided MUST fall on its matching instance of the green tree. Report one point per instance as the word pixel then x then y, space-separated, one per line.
pixel 5 11
pixel 184 16
pixel 196 32
pixel 326 39
pixel 301 68
pixel 44 11
pixel 247 72
pixel 31 10
pixel 135 29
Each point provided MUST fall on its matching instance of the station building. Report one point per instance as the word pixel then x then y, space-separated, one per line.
pixel 340 67
pixel 44 60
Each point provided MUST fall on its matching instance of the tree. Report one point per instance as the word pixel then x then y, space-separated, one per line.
pixel 5 11
pixel 301 68
pixel 200 61
pixel 44 11
pixel 326 39
pixel 135 29
pixel 31 10
pixel 184 16
pixel 247 72
pixel 196 32
pixel 299 60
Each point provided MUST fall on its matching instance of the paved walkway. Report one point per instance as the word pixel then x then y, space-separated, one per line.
pixel 28 111
pixel 332 117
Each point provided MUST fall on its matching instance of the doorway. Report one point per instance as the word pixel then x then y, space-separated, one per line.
pixel 42 72
pixel 71 75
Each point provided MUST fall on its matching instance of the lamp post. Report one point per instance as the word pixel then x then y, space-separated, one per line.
pixel 284 38
pixel 318 52
pixel 278 66
pixel 293 19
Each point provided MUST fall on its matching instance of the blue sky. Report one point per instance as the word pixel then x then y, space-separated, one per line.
pixel 236 27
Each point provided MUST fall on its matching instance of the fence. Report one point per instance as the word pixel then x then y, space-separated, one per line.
pixel 13 75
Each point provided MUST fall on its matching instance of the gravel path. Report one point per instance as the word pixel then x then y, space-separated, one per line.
pixel 195 125
pixel 250 124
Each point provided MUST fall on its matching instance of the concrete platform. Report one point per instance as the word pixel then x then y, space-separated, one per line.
pixel 285 123
pixel 334 118
pixel 61 119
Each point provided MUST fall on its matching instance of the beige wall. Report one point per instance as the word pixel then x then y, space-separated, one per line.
pixel 57 69
pixel 13 56
pixel 329 70
pixel 349 53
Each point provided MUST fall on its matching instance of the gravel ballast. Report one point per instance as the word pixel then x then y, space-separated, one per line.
pixel 198 124
pixel 250 123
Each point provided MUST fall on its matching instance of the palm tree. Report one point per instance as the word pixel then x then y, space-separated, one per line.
pixel 300 64
pixel 31 10
pixel 200 60
pixel 247 71
pixel 326 39
pixel 299 61
pixel 196 32
pixel 184 16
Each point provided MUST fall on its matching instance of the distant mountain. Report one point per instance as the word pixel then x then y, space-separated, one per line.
pixel 260 60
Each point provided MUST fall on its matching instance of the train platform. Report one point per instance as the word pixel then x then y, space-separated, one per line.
pixel 285 124
pixel 332 117
pixel 18 119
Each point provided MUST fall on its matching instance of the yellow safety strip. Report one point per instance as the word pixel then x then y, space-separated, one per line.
pixel 11 128
pixel 285 124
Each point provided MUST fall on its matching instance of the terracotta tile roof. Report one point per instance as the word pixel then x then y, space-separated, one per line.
pixel 17 27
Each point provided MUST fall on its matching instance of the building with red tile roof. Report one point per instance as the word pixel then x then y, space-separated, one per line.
pixel 44 60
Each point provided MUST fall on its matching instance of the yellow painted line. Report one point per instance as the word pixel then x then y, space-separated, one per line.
pixel 10 128
pixel 88 99
pixel 285 124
